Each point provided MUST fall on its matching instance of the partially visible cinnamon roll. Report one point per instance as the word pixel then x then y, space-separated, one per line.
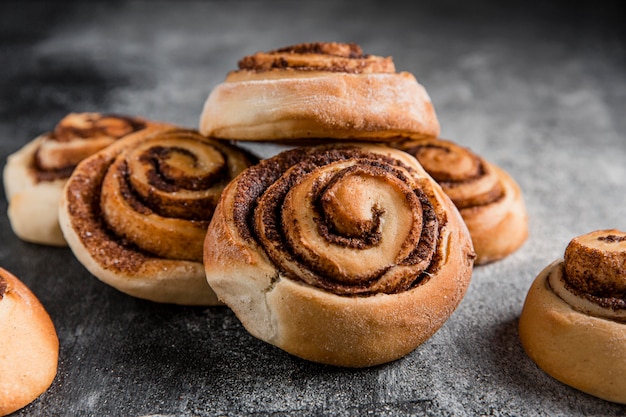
pixel 34 176
pixel 487 197
pixel 135 214
pixel 573 322
pixel 29 350
pixel 343 254
pixel 318 90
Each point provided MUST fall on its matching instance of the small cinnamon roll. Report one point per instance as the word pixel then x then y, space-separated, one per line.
pixel 343 254
pixel 573 322
pixel 29 350
pixel 34 176
pixel 488 198
pixel 135 213
pixel 318 90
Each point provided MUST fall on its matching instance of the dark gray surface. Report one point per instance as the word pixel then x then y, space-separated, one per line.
pixel 540 91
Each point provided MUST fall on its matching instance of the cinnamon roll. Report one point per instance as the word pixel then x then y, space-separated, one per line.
pixel 135 213
pixel 488 198
pixel 34 176
pixel 318 90
pixel 573 322
pixel 29 350
pixel 342 254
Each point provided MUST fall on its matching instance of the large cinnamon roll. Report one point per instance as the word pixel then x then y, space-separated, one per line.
pixel 573 323
pixel 34 176
pixel 318 90
pixel 349 255
pixel 135 213
pixel 29 350
pixel 488 198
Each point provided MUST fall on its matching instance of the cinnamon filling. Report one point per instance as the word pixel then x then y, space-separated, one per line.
pixel 154 198
pixel 47 175
pixel 594 274
pixel 612 238
pixel 609 302
pixel 83 195
pixel 340 219
pixel 170 178
pixel 75 137
pixel 91 125
pixel 462 174
pixel 3 287
pixel 320 56
pixel 612 308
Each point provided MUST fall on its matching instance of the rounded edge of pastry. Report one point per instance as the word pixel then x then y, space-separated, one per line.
pixel 572 338
pixel 122 262
pixel 35 174
pixel 329 328
pixel 494 241
pixel 488 198
pixel 318 90
pixel 29 350
pixel 33 207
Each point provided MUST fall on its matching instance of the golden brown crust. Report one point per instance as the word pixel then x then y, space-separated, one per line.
pixel 595 263
pixel 369 260
pixel 34 176
pixel 488 198
pixel 30 347
pixel 578 349
pixel 317 56
pixel 318 91
pixel 135 214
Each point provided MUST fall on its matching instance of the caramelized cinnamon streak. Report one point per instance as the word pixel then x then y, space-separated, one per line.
pixel 93 125
pixel 608 302
pixel 595 268
pixel 320 56
pixel 151 196
pixel 463 175
pixel 339 218
pixel 3 287
pixel 83 197
pixel 75 137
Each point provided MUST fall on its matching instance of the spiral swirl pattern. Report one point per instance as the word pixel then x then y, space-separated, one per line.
pixel 489 200
pixel 318 91
pixel 464 176
pixel 573 322
pixel 319 56
pixel 346 254
pixel 140 208
pixel 592 277
pixel 341 219
pixel 77 136
pixel 160 195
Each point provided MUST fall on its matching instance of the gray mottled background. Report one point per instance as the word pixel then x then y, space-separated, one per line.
pixel 537 89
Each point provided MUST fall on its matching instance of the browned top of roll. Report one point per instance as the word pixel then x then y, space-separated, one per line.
pixel 318 186
pixel 93 125
pixel 77 136
pixel 463 175
pixel 152 194
pixel 318 56
pixel 595 267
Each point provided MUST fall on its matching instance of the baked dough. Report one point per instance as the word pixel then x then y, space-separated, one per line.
pixel 488 198
pixel 34 175
pixel 135 213
pixel 30 347
pixel 342 254
pixel 318 90
pixel 573 323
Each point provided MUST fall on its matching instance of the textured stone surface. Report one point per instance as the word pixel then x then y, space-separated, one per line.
pixel 539 91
